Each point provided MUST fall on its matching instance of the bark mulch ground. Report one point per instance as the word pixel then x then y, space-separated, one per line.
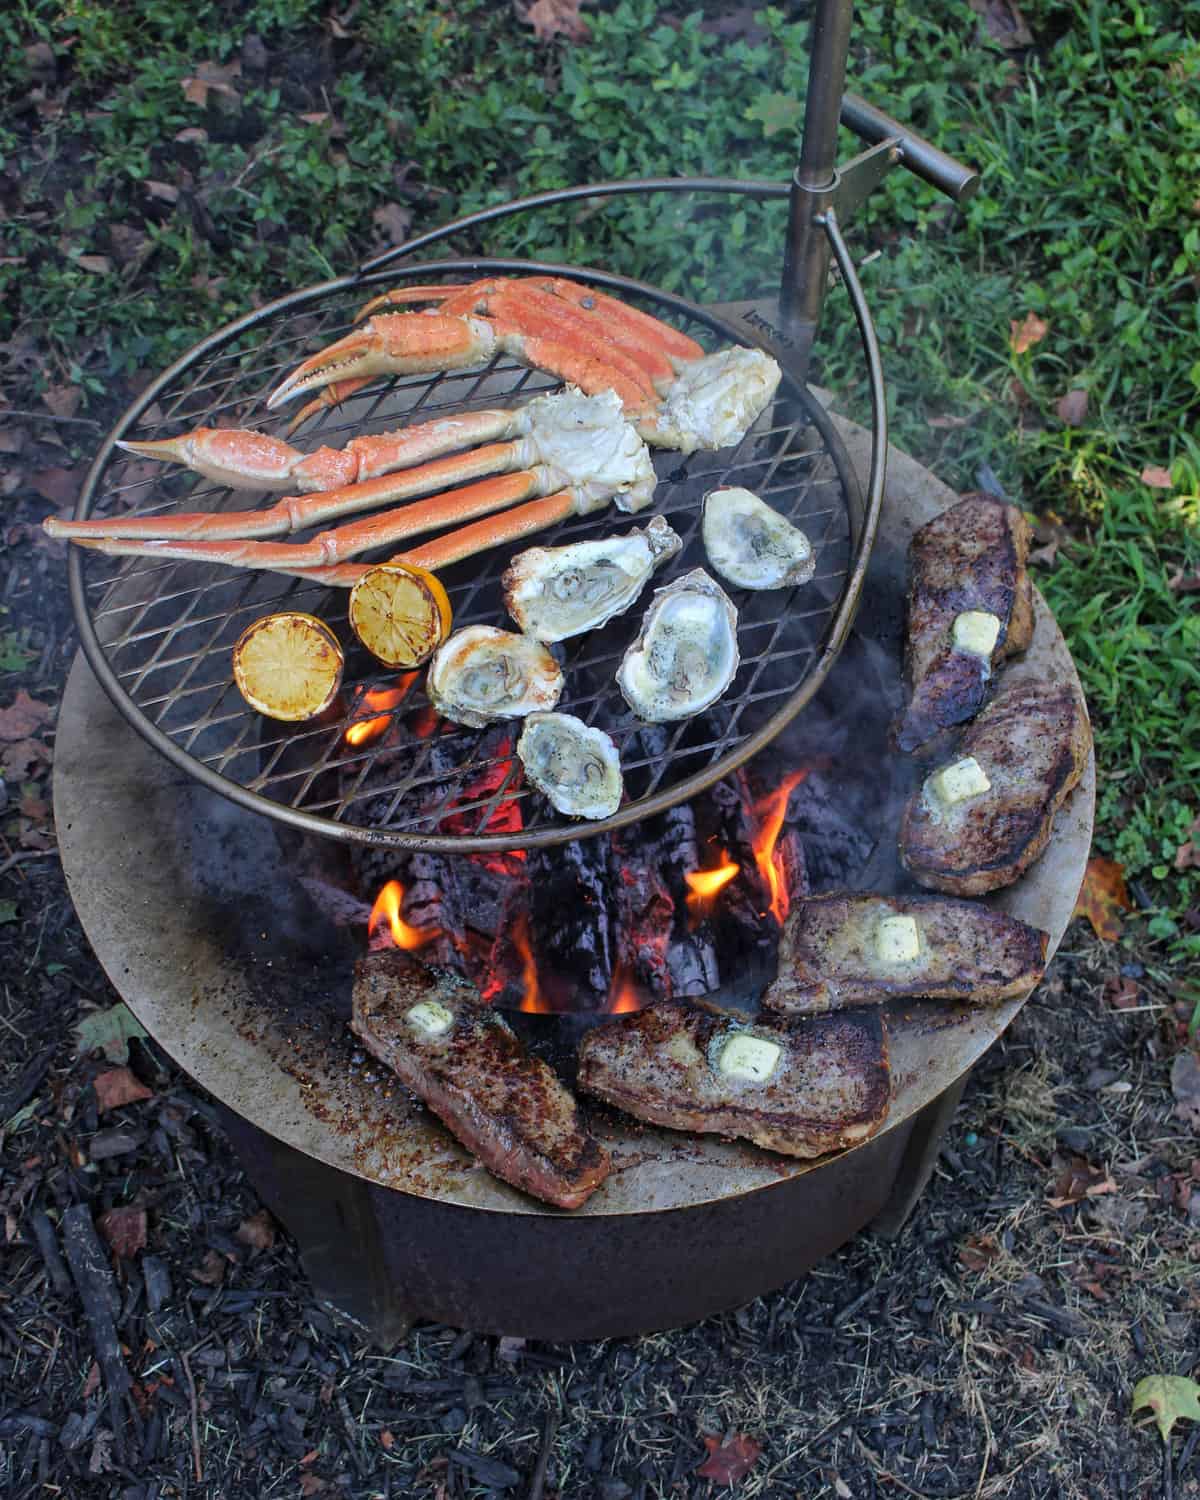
pixel 157 1338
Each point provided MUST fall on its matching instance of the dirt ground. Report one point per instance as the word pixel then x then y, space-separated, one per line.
pixel 990 1351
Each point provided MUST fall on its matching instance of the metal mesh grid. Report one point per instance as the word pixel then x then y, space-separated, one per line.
pixel 167 629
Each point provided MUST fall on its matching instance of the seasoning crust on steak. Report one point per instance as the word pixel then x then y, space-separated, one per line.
pixel 1031 744
pixel 830 1086
pixel 503 1104
pixel 970 559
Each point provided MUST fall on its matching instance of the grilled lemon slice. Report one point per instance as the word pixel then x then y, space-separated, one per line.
pixel 288 666
pixel 400 614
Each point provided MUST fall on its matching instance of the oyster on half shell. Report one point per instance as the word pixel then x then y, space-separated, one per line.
pixel 751 545
pixel 687 652
pixel 482 673
pixel 556 592
pixel 576 767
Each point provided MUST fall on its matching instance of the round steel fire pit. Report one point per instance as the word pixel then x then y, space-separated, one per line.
pixel 223 963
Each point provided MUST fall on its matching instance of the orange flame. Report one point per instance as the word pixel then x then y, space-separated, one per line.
pixel 623 995
pixel 387 908
pixel 703 885
pixel 770 812
pixel 378 699
pixel 531 998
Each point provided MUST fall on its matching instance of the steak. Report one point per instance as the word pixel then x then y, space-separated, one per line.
pixel 504 1105
pixel 836 950
pixel 1031 744
pixel 969 559
pixel 829 1086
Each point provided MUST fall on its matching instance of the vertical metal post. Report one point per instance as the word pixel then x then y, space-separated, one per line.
pixel 806 257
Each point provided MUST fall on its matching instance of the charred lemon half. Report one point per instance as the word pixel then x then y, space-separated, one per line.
pixel 401 614
pixel 288 666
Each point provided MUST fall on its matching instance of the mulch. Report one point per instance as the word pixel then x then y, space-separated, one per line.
pixel 157 1336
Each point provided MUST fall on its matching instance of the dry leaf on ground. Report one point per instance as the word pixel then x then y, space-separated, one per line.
pixel 58 485
pixel 1187 856
pixel 1072 408
pixel 210 78
pixel 551 18
pixel 1031 330
pixel 108 1029
pixel 117 1086
pixel 1185 1085
pixel 63 400
pixel 978 1251
pixel 28 758
pixel 1078 1179
pixel 1001 22
pixel 23 717
pixel 1120 992
pixel 392 222
pixel 211 1270
pixel 124 1229
pixel 1156 478
pixel 1103 897
pixel 1169 1397
pixel 258 1231
pixel 729 1461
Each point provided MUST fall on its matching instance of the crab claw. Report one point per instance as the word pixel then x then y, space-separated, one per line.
pixel 229 455
pixel 392 344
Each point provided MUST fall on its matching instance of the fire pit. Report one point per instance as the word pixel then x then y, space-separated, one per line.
pixel 226 882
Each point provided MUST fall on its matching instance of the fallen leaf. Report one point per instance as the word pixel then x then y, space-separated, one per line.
pixel 1103 897
pixel 551 18
pixel 59 486
pixel 162 190
pixel 39 59
pixel 1121 993
pixel 1002 23
pixel 1072 408
pixel 1031 330
pixel 33 807
pixel 947 422
pixel 1169 1397
pixel 92 1383
pixel 99 265
pixel 1044 556
pixel 729 1461
pixel 1078 1180
pixel 128 243
pixel 510 1349
pixel 109 1030
pixel 1185 1085
pixel 100 1461
pixel 62 400
pixel 211 1271
pixel 1187 856
pixel 258 1231
pixel 192 135
pixel 1156 479
pixel 124 1229
pixel 23 717
pixel 19 759
pixel 311 1484
pixel 392 222
pixel 117 1086
pixel 978 1251
pixel 210 78
pixel 775 112
pixel 318 117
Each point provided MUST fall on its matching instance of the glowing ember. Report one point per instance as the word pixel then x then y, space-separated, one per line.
pixel 387 928
pixel 703 885
pixel 623 995
pixel 379 700
pixel 531 997
pixel 770 811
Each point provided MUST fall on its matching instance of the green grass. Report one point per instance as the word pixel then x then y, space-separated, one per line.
pixel 1089 217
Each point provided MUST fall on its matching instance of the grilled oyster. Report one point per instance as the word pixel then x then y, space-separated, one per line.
pixel 753 546
pixel 686 654
pixel 482 673
pixel 576 767
pixel 556 592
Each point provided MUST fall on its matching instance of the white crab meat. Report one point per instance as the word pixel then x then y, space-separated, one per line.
pixel 751 545
pixel 687 652
pixel 584 444
pixel 481 674
pixel 576 767
pixel 556 592
pixel 714 401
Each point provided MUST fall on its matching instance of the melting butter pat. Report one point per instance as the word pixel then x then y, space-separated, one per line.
pixel 965 778
pixel 431 1017
pixel 748 1058
pixel 976 631
pixel 897 940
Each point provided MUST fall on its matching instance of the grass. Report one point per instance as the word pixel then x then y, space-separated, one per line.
pixel 139 218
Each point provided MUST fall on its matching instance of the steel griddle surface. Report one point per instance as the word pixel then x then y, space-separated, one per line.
pixel 160 634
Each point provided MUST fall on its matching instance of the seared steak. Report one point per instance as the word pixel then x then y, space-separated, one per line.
pixel 860 950
pixel 1012 773
pixel 462 1059
pixel 966 565
pixel 800 1087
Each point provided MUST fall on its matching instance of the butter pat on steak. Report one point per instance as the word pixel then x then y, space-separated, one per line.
pixel 799 1087
pixel 459 1055
pixel 970 605
pixel 1031 744
pixel 842 950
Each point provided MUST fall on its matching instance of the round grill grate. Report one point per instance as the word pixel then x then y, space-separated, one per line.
pixel 159 634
